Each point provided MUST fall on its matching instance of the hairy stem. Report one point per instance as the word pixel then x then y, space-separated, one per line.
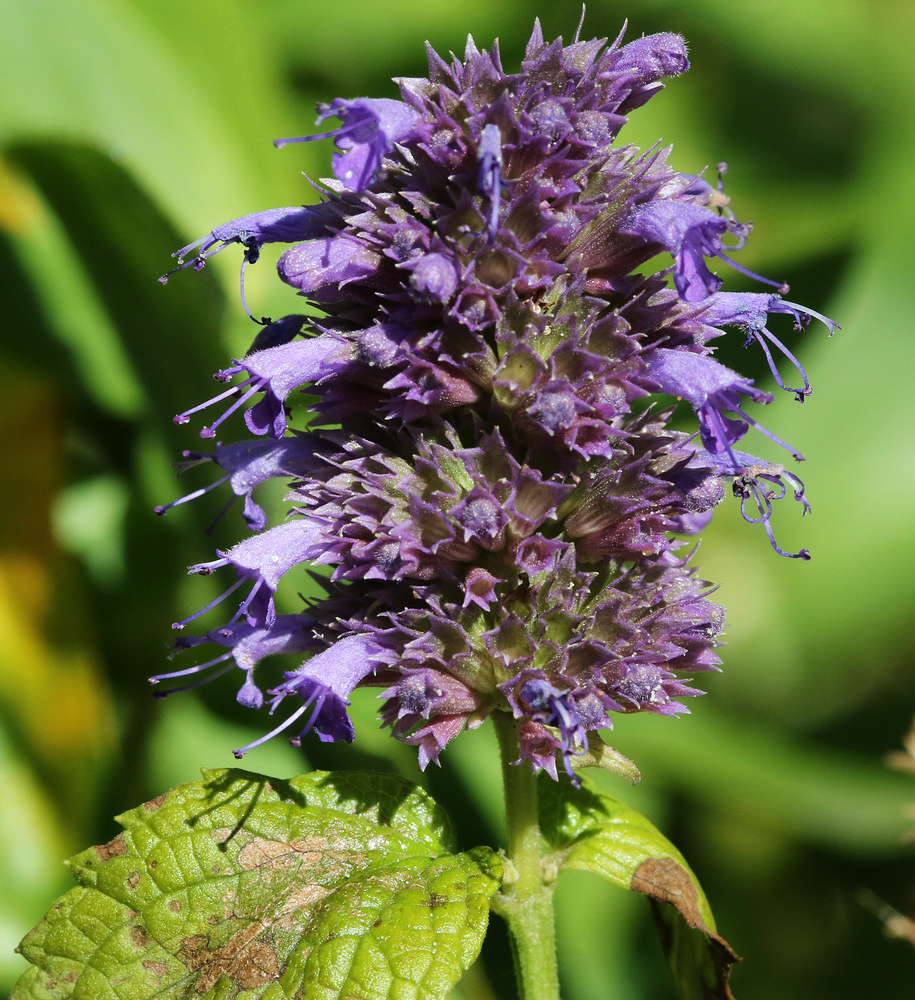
pixel 526 900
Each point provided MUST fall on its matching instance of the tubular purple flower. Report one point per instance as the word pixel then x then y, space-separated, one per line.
pixel 533 697
pixel 647 61
pixel 749 474
pixel 248 464
pixel 370 128
pixel 750 310
pixel 275 372
pixel 690 233
pixel 326 682
pixel 247 646
pixel 713 391
pixel 322 267
pixel 262 559
pixel 489 177
pixel 275 225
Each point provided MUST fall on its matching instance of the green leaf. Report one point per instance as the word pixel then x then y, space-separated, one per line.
pixel 587 829
pixel 326 886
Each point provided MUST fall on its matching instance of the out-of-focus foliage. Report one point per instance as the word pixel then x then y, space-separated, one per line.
pixel 130 127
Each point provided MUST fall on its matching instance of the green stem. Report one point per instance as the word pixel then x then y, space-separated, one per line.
pixel 526 901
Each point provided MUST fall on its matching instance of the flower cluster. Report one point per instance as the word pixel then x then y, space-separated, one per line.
pixel 493 472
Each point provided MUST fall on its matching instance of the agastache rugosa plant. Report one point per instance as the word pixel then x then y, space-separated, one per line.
pixel 494 471
pixel 503 498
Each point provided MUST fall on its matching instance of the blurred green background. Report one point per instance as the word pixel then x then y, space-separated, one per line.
pixel 130 127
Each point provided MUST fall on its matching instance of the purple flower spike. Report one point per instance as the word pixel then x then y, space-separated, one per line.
pixel 325 682
pixel 495 475
pixel 369 130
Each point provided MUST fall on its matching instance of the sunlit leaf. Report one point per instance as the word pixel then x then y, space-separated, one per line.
pixel 592 831
pixel 326 886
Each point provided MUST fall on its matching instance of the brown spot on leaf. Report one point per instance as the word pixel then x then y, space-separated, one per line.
pixel 139 936
pixel 113 849
pixel 306 895
pixel 192 948
pixel 159 969
pixel 243 959
pixel 670 882
pixel 154 804
pixel 174 906
pixel 133 880
pixel 663 880
pixel 434 901
pixel 280 853
pixel 153 864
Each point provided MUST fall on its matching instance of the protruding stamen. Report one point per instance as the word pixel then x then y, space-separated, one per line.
pixel 209 607
pixel 798 457
pixel 830 325
pixel 297 714
pixel 760 336
pixel 780 286
pixel 165 508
